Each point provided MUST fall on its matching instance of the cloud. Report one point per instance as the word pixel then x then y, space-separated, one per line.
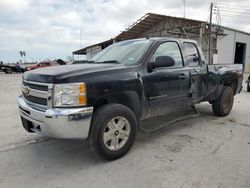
pixel 51 29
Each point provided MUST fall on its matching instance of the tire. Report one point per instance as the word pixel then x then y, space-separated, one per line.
pixel 224 104
pixel 8 71
pixel 118 141
pixel 248 86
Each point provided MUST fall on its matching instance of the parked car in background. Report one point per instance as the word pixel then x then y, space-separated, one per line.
pixel 45 64
pixel 60 62
pixel 248 80
pixel 11 68
pixel 248 84
pixel 38 65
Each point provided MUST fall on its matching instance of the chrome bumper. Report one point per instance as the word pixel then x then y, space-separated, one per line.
pixel 57 122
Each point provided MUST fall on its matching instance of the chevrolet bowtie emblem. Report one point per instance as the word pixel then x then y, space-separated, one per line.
pixel 26 90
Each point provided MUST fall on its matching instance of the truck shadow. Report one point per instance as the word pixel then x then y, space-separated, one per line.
pixel 77 154
pixel 65 153
pixel 206 114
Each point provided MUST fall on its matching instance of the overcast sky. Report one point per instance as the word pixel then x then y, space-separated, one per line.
pixel 51 29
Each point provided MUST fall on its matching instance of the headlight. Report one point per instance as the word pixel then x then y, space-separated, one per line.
pixel 70 95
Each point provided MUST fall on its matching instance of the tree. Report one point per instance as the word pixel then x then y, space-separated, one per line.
pixel 23 54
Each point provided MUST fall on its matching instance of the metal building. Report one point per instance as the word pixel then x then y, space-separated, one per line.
pixel 229 46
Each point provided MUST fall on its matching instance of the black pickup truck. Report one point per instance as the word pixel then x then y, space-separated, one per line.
pixel 105 99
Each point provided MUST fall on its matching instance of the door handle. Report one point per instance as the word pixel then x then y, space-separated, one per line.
pixel 182 76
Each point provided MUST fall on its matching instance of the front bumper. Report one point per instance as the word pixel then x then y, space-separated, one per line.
pixel 57 122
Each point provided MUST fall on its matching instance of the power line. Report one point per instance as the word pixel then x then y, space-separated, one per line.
pixel 232 11
pixel 235 14
pixel 232 8
pixel 235 17
pixel 241 10
pixel 229 5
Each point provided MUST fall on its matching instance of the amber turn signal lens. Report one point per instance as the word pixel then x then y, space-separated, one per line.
pixel 82 88
pixel 82 100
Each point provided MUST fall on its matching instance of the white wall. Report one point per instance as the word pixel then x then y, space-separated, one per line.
pixel 92 51
pixel 226 47
pixel 244 38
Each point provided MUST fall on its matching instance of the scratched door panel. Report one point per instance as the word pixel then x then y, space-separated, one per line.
pixel 167 90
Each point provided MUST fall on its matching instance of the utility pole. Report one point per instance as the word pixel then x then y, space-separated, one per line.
pixel 80 41
pixel 210 35
pixel 24 57
pixel 184 8
pixel 80 38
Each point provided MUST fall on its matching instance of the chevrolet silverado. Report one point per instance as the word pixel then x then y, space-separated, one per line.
pixel 106 99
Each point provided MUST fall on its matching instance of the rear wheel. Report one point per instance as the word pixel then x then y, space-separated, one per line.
pixel 223 105
pixel 248 86
pixel 113 131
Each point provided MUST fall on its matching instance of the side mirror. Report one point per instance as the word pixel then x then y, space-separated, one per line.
pixel 196 59
pixel 162 61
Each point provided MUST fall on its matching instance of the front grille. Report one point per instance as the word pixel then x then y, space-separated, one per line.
pixel 37 87
pixel 36 100
pixel 35 93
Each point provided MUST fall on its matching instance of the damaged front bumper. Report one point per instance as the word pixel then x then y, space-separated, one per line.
pixel 56 122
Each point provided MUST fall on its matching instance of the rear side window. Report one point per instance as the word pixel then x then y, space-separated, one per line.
pixel 169 49
pixel 191 54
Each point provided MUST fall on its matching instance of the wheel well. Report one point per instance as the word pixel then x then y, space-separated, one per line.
pixel 99 103
pixel 233 84
pixel 129 99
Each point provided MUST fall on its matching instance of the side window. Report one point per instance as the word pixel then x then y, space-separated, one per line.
pixel 191 54
pixel 169 49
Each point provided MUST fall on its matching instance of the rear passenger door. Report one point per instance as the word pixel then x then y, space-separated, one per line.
pixel 198 72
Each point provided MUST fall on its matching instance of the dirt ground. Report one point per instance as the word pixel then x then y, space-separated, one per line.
pixel 207 151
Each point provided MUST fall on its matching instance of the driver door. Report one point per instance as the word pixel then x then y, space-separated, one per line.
pixel 166 88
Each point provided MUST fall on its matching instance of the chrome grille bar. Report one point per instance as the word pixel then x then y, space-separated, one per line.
pixel 37 94
pixel 34 92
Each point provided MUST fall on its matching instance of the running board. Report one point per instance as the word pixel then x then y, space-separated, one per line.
pixel 161 122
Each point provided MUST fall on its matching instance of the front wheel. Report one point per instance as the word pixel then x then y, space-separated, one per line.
pixel 224 104
pixel 113 131
pixel 248 86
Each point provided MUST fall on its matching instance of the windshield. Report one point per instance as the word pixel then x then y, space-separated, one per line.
pixel 127 52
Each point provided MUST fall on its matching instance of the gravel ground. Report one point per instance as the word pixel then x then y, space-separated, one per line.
pixel 207 151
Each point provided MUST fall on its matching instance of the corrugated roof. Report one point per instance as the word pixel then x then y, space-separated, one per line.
pixel 142 25
pixel 83 51
pixel 145 23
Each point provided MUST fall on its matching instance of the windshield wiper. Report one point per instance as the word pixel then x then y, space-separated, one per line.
pixel 91 61
pixel 109 61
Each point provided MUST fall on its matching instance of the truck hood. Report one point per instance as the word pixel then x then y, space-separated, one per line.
pixel 65 73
